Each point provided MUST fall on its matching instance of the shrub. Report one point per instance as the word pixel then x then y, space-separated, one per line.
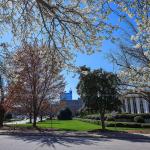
pixel 124 124
pixel 145 125
pixel 8 116
pixel 113 124
pixel 125 117
pixel 98 122
pixel 145 116
pixel 139 119
pixel 110 118
pixel 65 114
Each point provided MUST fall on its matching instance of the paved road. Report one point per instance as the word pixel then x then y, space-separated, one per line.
pixel 67 143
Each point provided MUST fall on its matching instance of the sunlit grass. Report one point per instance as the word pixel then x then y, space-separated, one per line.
pixel 74 125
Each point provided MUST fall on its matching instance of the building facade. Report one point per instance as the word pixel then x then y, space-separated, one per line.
pixel 66 95
pixel 73 105
pixel 135 104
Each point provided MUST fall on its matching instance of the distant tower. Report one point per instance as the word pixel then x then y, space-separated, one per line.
pixel 70 94
pixel 66 95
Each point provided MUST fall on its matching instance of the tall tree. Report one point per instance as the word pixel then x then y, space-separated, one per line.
pixel 38 72
pixel 99 91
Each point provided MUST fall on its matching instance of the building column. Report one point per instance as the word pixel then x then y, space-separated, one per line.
pixel 138 105
pixel 126 106
pixel 145 104
pixel 148 104
pixel 131 104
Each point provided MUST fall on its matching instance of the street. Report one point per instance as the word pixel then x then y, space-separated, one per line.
pixel 17 142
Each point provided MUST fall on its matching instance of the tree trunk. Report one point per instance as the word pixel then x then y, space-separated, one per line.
pixel 41 118
pixel 2 110
pixel 30 117
pixel 103 121
pixel 1 119
pixel 2 113
pixel 34 120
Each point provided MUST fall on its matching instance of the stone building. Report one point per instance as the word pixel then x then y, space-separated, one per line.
pixel 74 105
pixel 135 104
pixel 66 95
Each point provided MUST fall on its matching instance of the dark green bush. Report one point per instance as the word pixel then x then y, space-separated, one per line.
pixel 139 119
pixel 123 124
pixel 113 124
pixel 8 116
pixel 145 125
pixel 110 118
pixel 125 116
pixel 145 116
pixel 98 122
pixel 65 114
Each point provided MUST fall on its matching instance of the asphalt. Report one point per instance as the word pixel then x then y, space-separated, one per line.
pixel 21 142
pixel 116 135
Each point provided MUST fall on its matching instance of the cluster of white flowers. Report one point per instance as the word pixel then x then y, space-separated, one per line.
pixel 139 77
pixel 142 38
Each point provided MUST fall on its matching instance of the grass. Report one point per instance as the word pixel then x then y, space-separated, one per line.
pixel 74 125
pixel 67 125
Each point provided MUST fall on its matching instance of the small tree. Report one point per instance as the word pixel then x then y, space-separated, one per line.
pixel 98 90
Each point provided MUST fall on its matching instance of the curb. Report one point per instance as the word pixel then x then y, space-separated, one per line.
pixel 76 136
pixel 51 134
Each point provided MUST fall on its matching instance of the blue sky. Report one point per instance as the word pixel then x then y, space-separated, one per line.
pixel 97 60
pixel 94 61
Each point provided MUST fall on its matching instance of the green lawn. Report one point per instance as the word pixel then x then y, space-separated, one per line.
pixel 74 125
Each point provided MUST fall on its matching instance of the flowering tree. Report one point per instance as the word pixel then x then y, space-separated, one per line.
pixel 65 25
pixel 75 24
pixel 133 54
pixel 137 81
pixel 37 71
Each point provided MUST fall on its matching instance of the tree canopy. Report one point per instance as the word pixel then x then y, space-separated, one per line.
pixel 99 91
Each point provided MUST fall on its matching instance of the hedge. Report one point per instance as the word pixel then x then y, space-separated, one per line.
pixel 139 119
pixel 119 117
pixel 117 124
pixel 98 122
pixel 123 124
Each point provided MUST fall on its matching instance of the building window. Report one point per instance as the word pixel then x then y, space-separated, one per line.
pixel 129 106
pixel 141 106
pixel 134 105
